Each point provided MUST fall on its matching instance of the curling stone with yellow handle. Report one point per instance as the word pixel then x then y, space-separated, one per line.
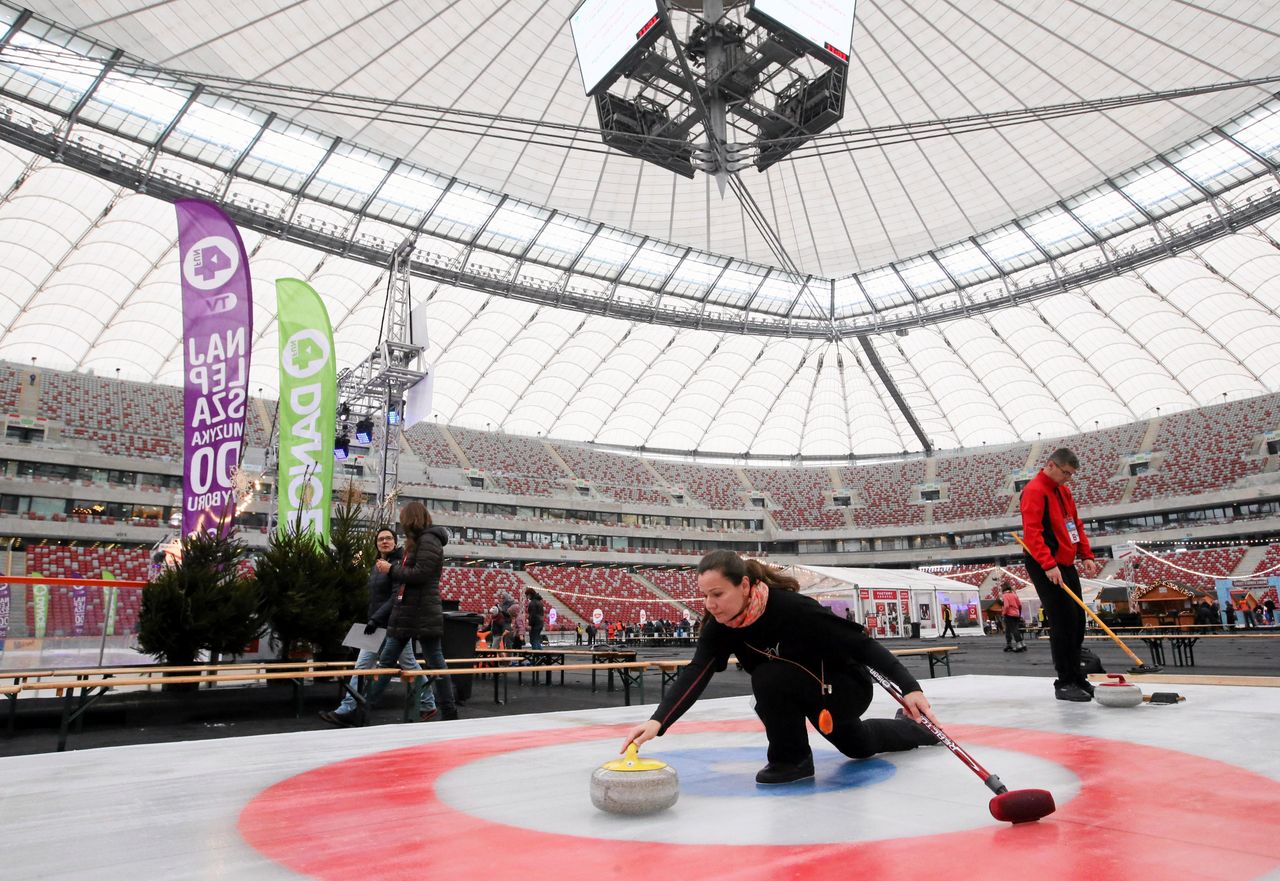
pixel 634 786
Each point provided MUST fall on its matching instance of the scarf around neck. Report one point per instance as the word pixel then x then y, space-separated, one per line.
pixel 751 612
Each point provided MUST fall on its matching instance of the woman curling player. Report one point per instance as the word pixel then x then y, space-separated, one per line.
pixel 805 663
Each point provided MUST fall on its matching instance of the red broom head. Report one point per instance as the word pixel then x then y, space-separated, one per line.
pixel 1022 805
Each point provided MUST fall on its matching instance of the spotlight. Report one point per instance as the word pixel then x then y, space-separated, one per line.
pixel 341 447
pixel 364 431
pixel 394 412
pixel 344 412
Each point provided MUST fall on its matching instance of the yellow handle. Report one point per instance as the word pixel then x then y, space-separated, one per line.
pixel 1081 603
pixel 631 761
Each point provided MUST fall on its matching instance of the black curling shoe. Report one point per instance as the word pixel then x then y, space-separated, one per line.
pixel 1071 693
pixel 785 772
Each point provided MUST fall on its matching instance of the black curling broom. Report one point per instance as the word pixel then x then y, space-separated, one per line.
pixel 1139 665
pixel 1008 805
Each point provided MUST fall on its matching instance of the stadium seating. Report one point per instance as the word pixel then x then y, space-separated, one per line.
pixel 886 489
pixel 974 482
pixel 1100 454
pixel 11 379
pixel 1204 449
pixel 90 563
pixel 428 444
pixel 718 488
pixel 619 596
pixel 1212 561
pixel 801 497
pixel 507 454
pixel 965 573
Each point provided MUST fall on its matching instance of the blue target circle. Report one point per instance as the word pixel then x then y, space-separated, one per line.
pixel 720 772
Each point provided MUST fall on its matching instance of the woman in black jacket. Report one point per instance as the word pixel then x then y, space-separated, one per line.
pixel 415 611
pixel 805 663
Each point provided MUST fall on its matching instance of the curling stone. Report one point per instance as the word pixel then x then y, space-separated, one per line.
pixel 634 786
pixel 1117 694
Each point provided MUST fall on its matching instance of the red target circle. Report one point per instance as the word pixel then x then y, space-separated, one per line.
pixel 1141 812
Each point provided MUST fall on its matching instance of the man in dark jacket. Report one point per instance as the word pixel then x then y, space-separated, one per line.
pixel 379 607
pixel 415 610
pixel 1054 539
pixel 536 615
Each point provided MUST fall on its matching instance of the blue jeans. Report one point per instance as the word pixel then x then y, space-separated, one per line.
pixel 433 651
pixel 367 661
pixel 535 638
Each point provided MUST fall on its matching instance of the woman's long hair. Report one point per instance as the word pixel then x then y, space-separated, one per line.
pixel 734 568
pixel 415 519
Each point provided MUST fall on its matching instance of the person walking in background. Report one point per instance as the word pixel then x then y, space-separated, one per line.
pixel 535 612
pixel 1012 620
pixel 497 628
pixel 947 625
pixel 415 611
pixel 1054 538
pixel 379 607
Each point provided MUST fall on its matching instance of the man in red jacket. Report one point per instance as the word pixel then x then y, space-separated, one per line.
pixel 1054 536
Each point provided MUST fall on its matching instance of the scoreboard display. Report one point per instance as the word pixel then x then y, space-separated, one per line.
pixel 608 34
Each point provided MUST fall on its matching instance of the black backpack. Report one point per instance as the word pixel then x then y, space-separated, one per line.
pixel 1089 662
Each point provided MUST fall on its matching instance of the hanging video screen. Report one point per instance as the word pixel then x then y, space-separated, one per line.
pixel 826 25
pixel 606 33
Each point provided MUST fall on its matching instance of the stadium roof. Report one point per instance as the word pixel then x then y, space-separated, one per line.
pixel 1039 278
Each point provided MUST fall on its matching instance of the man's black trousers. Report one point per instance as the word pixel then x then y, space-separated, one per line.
pixel 1066 619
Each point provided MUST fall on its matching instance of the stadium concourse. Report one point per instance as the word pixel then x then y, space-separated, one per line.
pixel 608 285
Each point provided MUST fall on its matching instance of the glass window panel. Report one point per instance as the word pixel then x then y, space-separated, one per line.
pixel 849 298
pixel 562 241
pixel 608 252
pixel 652 265
pixel 48 74
pixel 1056 230
pixel 815 299
pixel 462 212
pixel 348 176
pixel 696 274
pixel 884 288
pixel 285 155
pixel 1215 162
pixel 737 285
pixel 1010 247
pixel 1158 188
pixel 1105 211
pixel 1259 130
pixel 777 294
pixel 408 194
pixel 216 130
pixel 966 263
pixel 133 107
pixel 513 227
pixel 925 276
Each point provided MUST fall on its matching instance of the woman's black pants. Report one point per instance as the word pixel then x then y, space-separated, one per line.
pixel 786 696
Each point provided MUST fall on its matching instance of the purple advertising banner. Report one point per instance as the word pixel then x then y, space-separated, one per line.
pixel 217 319
pixel 79 603
pixel 4 612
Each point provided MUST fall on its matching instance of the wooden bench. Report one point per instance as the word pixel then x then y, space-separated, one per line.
pixel 94 683
pixel 937 655
pixel 1183 644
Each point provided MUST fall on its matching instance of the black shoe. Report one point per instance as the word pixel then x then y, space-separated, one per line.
pixel 1008 648
pixel 785 772
pixel 1071 693
pixel 1020 648
pixel 927 737
pixel 449 715
pixel 342 720
pixel 428 715
pixel 1084 685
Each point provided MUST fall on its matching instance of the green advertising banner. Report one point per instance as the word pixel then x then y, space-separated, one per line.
pixel 40 603
pixel 110 597
pixel 308 408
